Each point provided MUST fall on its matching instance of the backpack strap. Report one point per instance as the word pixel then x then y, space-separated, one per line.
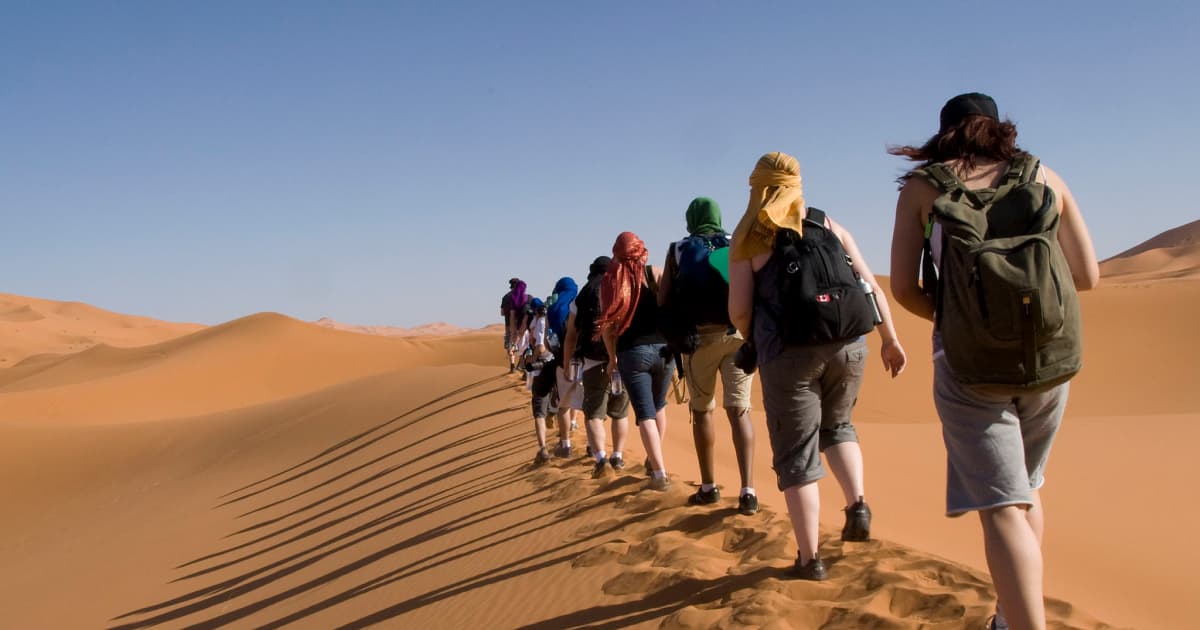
pixel 944 179
pixel 816 216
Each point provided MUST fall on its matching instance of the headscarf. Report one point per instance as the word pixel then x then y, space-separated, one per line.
pixel 518 294
pixel 598 267
pixel 621 287
pixel 704 217
pixel 776 201
pixel 565 291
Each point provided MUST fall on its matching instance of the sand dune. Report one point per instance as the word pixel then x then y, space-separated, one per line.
pixel 30 326
pixel 1172 255
pixel 269 471
pixel 435 329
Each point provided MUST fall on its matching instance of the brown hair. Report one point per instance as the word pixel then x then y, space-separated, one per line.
pixel 973 137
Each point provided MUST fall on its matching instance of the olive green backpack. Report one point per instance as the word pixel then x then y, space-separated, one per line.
pixel 1006 303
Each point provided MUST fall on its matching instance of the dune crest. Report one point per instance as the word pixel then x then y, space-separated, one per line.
pixel 435 329
pixel 34 326
pixel 1171 255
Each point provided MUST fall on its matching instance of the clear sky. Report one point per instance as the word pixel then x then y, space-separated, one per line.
pixel 396 162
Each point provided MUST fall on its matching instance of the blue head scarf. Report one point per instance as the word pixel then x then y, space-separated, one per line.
pixel 556 317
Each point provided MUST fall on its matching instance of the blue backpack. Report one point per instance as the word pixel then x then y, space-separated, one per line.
pixel 699 289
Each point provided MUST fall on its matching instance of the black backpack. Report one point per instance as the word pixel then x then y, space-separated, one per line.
pixel 587 309
pixel 821 300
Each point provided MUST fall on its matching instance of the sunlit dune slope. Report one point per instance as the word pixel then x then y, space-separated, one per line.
pixel 30 326
pixel 247 361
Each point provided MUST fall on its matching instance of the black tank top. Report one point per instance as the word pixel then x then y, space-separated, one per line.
pixel 643 330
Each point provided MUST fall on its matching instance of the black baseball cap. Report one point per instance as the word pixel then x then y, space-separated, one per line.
pixel 969 104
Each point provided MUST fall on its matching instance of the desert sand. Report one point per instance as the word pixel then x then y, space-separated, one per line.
pixel 268 471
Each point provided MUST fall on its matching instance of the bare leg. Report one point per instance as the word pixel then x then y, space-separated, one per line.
pixel 620 433
pixel 846 462
pixel 539 429
pixel 651 441
pixel 703 436
pixel 660 418
pixel 1014 559
pixel 564 426
pixel 804 505
pixel 595 431
pixel 743 442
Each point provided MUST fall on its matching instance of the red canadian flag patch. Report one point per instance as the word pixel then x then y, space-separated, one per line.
pixel 823 298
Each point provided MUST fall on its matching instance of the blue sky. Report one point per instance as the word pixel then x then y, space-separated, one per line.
pixel 396 163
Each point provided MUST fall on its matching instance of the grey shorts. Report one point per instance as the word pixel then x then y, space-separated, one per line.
pixel 996 444
pixel 598 401
pixel 808 395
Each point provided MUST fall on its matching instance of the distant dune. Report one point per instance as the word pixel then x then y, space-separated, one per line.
pixel 436 329
pixel 30 326
pixel 1172 255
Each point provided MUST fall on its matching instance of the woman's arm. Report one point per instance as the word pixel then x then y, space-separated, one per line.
pixel 908 239
pixel 570 338
pixel 891 351
pixel 609 335
pixel 741 296
pixel 1073 236
pixel 664 282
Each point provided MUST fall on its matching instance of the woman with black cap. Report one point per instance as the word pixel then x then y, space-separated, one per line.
pixel 974 184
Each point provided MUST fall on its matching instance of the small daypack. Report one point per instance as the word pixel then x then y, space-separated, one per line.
pixel 1006 303
pixel 820 298
pixel 699 292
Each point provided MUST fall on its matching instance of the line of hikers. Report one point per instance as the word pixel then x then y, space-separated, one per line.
pixel 988 244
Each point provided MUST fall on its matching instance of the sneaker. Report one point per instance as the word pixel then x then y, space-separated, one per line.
pixel 996 622
pixel 541 458
pixel 659 483
pixel 748 504
pixel 705 498
pixel 598 470
pixel 617 463
pixel 589 450
pixel 814 570
pixel 858 522
pixel 563 451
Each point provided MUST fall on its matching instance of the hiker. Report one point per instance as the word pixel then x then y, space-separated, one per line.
pixel 506 312
pixel 540 366
pixel 1000 400
pixel 517 322
pixel 570 394
pixel 796 292
pixel 694 292
pixel 637 351
pixel 589 360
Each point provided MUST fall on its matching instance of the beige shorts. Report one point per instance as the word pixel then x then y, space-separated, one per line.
pixel 715 356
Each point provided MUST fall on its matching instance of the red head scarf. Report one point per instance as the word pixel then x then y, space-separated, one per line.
pixel 621 287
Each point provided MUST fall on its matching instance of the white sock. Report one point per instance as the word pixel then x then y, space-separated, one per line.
pixel 707 487
pixel 617 454
pixel 659 474
pixel 600 456
pixel 749 491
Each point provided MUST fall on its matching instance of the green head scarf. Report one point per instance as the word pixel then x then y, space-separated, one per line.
pixel 703 217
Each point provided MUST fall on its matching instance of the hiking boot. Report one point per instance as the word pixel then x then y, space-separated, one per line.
pixel 659 483
pixel 705 498
pixel 858 522
pixel 814 570
pixel 541 458
pixel 589 450
pixel 617 463
pixel 598 470
pixel 748 504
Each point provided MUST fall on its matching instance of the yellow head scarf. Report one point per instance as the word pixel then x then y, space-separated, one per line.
pixel 776 201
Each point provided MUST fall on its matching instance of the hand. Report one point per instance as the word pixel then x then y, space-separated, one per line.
pixel 893 357
pixel 611 368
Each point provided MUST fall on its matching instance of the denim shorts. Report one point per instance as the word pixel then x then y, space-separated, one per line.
pixel 646 376
pixel 996 444
pixel 808 394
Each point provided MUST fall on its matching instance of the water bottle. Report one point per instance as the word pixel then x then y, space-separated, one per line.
pixel 615 384
pixel 876 317
pixel 575 370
